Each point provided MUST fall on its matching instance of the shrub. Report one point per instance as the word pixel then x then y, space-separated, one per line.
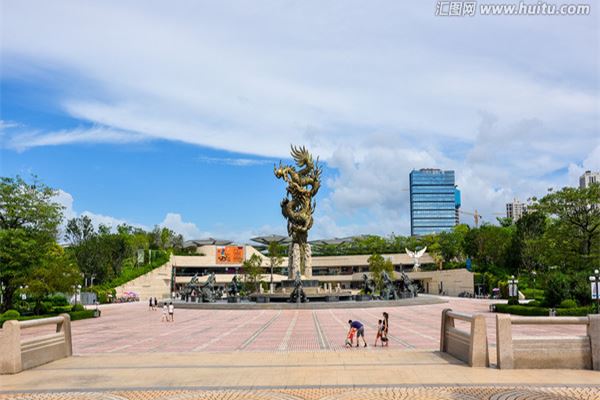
pixel 58 300
pixel 537 294
pixel 557 289
pixel 11 314
pixel 568 304
pixel 78 307
pixel 580 289
pixel 77 315
pixel 62 309
pixel 513 301
pixel 574 312
pixel 521 310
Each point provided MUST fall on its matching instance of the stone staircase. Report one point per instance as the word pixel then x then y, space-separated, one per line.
pixel 155 283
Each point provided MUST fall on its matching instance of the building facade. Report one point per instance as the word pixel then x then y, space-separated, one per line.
pixel 515 210
pixel 588 178
pixel 344 272
pixel 434 201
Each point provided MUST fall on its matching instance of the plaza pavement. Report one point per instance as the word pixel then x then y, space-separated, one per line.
pixel 282 354
pixel 132 328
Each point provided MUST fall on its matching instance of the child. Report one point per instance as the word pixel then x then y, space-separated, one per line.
pixel 164 317
pixel 379 333
pixel 171 312
pixel 350 337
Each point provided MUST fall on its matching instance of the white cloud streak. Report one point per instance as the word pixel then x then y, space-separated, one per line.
pixel 375 89
pixel 26 140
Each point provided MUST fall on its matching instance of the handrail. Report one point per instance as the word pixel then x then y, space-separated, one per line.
pixel 461 316
pixel 469 345
pixel 19 353
pixel 574 351
pixel 549 320
pixel 42 321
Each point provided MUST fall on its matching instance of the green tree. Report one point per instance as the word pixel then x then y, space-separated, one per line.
pixel 451 244
pixel 29 221
pixel 378 264
pixel 252 270
pixel 275 251
pixel 488 245
pixel 556 290
pixel 79 230
pixel 57 273
pixel 573 236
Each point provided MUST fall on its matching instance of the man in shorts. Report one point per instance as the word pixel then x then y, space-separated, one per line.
pixel 360 331
pixel 172 311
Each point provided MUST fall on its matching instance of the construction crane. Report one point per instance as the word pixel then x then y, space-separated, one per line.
pixel 477 216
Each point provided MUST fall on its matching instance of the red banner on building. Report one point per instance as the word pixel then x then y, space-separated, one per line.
pixel 230 254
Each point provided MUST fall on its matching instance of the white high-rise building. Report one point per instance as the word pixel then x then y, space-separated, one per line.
pixel 515 210
pixel 588 178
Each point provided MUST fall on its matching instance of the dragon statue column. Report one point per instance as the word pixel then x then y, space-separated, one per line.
pixel 298 207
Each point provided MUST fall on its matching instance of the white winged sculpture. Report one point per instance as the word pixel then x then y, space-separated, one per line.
pixel 416 255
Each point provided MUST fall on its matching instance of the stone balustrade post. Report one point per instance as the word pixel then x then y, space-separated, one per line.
pixel 593 331
pixel 10 348
pixel 478 353
pixel 66 328
pixel 504 342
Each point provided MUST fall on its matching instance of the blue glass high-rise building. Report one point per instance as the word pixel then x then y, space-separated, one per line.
pixel 434 201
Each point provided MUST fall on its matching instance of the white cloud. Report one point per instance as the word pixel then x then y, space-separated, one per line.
pixel 26 140
pixel 590 163
pixel 175 222
pixel 375 90
pixel 235 162
pixel 66 200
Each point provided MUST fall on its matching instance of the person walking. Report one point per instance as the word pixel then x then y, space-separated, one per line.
pixel 171 312
pixel 150 304
pixel 165 313
pixel 386 327
pixel 155 304
pixel 379 333
pixel 360 331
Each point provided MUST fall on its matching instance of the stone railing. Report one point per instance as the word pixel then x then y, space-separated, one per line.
pixel 468 346
pixel 18 354
pixel 574 352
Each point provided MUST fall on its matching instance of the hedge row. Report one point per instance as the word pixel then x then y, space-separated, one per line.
pixel 542 311
pixel 75 315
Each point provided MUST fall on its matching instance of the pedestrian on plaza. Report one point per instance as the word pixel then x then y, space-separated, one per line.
pixel 379 333
pixel 360 331
pixel 386 327
pixel 155 304
pixel 171 311
pixel 150 304
pixel 165 316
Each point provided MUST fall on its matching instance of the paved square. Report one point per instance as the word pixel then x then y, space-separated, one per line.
pixel 132 328
pixel 130 354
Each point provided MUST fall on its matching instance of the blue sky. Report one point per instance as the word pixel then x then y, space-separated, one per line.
pixel 173 114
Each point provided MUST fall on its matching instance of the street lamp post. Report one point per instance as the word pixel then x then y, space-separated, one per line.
pixel 23 294
pixel 78 295
pixel 513 287
pixel 595 286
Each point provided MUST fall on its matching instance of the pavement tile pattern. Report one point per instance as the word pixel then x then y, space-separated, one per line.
pixel 392 392
pixel 133 328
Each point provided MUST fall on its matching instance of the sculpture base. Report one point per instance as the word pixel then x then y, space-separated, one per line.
pixel 307 283
pixel 299 260
pixel 233 300
pixel 263 299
